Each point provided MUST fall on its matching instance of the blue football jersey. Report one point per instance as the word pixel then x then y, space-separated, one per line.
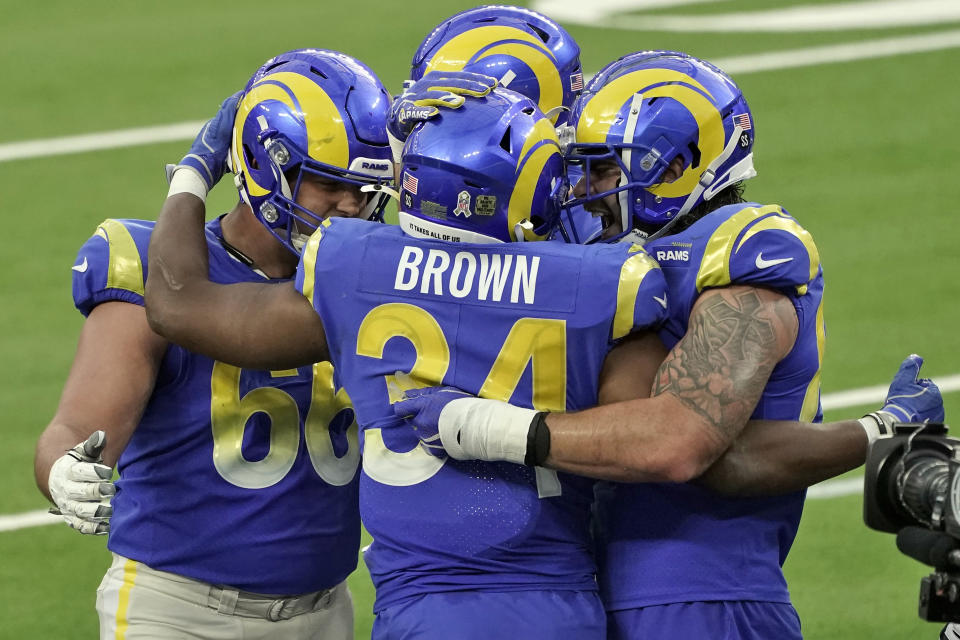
pixel 667 543
pixel 233 476
pixel 528 323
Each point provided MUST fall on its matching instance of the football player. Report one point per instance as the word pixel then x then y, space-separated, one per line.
pixel 523 50
pixel 460 292
pixel 666 141
pixel 235 513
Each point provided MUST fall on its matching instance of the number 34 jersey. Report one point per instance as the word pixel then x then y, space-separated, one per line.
pixel 527 323
pixel 235 477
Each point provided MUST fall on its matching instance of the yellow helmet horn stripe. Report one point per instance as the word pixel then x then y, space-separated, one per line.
pixel 542 130
pixel 455 54
pixel 551 85
pixel 709 123
pixel 600 114
pixel 326 136
pixel 530 169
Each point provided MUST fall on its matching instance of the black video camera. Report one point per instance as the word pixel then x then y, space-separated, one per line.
pixel 912 488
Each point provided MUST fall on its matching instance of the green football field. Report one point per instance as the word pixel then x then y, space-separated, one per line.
pixel 857 138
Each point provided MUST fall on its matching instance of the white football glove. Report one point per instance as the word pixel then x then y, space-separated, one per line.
pixel 81 487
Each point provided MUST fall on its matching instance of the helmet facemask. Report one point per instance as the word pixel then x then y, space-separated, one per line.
pixel 648 109
pixel 310 113
pixel 293 223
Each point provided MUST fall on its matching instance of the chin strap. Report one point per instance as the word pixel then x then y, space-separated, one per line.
pixel 370 211
pixel 377 188
pixel 520 228
pixel 706 179
pixel 554 113
pixel 298 240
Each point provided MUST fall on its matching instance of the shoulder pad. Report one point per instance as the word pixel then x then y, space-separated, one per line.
pixel 111 265
pixel 759 245
pixel 641 293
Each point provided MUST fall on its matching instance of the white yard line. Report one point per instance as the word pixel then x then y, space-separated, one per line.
pixel 99 141
pixel 875 395
pixel 868 14
pixel 835 53
pixel 15 521
pixel 828 489
pixel 836 488
pixel 737 65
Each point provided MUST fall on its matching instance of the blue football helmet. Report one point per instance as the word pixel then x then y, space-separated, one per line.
pixel 646 109
pixel 490 171
pixel 526 51
pixel 309 111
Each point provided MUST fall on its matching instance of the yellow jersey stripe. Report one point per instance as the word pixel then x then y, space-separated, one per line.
pixel 811 400
pixel 782 223
pixel 125 269
pixel 309 260
pixel 715 265
pixel 634 270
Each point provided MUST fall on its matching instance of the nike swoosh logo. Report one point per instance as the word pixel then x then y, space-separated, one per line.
pixel 80 268
pixel 764 264
pixel 662 301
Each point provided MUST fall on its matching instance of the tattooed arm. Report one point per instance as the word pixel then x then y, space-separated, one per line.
pixel 696 424
pixel 702 396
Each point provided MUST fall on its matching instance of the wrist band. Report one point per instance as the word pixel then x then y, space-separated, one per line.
pixel 186 180
pixel 538 441
pixel 875 426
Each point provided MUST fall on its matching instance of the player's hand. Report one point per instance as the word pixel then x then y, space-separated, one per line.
pixel 81 487
pixel 421 408
pixel 909 399
pixel 422 100
pixel 912 398
pixel 207 157
pixel 471 428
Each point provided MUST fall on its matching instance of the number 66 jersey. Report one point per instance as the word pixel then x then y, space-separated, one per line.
pixel 529 323
pixel 232 476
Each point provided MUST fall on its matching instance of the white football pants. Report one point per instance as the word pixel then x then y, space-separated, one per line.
pixel 135 602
